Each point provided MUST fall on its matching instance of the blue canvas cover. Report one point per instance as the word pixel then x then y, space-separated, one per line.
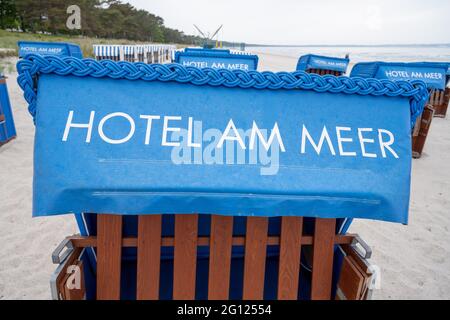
pixel 169 139
pixel 432 73
pixel 216 59
pixel 7 127
pixel 49 48
pixel 448 73
pixel 312 61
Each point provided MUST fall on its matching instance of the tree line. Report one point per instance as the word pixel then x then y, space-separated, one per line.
pixel 111 19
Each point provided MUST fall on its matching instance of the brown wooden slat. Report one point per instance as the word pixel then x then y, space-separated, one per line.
pixel 109 249
pixel 131 242
pixel 148 257
pixel 436 97
pixel 289 267
pixel 255 258
pixel 220 257
pixel 434 94
pixel 185 256
pixel 351 281
pixel 322 265
pixel 439 97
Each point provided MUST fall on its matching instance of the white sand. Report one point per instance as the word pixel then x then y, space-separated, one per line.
pixel 414 259
pixel 26 243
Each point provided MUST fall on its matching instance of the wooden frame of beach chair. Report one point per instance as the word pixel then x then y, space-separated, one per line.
pixel 323 72
pixel 421 129
pixel 356 277
pixel 439 99
pixel 109 243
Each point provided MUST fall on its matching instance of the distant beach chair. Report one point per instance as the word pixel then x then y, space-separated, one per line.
pixel 7 127
pixel 433 74
pixel 61 49
pixel 216 59
pixel 244 235
pixel 439 98
pixel 323 65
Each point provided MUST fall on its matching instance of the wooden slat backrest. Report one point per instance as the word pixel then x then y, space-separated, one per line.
pixel 185 241
pixel 441 97
pixel 109 254
pixel 289 266
pixel 440 102
pixel 185 256
pixel 323 248
pixel 437 97
pixel 447 95
pixel 255 258
pixel 148 257
pixel 432 99
pixel 220 257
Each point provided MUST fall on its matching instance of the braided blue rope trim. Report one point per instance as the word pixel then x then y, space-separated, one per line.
pixel 32 65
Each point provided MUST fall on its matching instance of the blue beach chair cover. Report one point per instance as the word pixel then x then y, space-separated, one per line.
pixel 119 178
pixel 7 127
pixel 216 59
pixel 49 48
pixel 313 61
pixel 434 74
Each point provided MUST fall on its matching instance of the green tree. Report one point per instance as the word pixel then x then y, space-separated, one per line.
pixel 8 15
pixel 99 18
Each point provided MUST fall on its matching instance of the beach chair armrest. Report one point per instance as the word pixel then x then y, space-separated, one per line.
pixel 357 244
pixel 59 254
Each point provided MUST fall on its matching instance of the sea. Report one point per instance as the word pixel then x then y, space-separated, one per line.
pixel 388 53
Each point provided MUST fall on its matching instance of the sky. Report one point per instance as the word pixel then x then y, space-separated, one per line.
pixel 299 22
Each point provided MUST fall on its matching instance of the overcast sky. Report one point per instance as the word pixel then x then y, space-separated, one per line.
pixel 310 22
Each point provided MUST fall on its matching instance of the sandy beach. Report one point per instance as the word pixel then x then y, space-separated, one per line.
pixel 414 260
